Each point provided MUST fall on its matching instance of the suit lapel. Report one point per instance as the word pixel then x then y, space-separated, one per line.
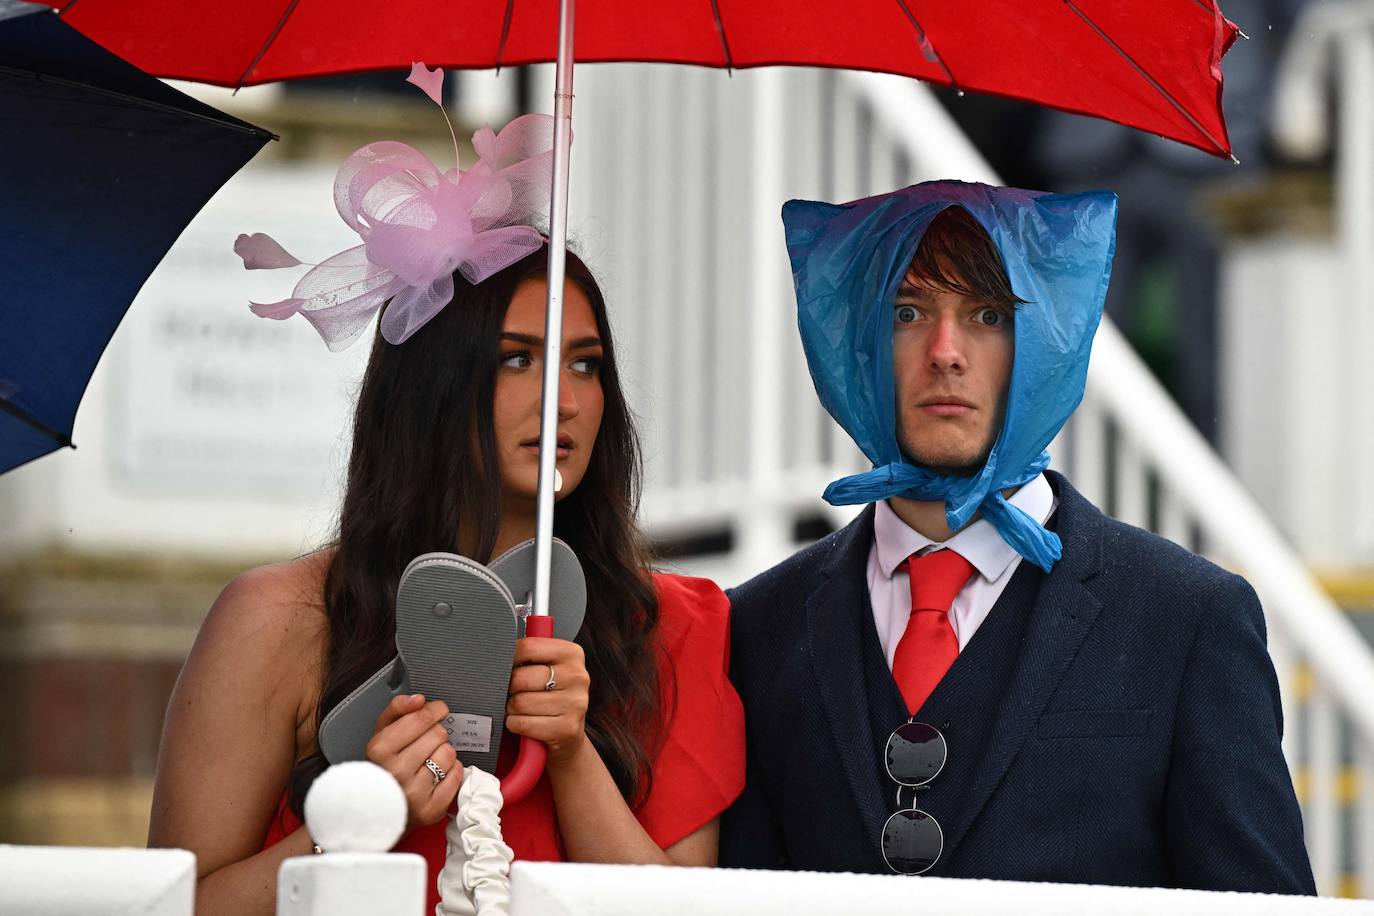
pixel 834 612
pixel 1063 614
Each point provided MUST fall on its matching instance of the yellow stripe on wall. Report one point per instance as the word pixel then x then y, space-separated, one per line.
pixel 76 812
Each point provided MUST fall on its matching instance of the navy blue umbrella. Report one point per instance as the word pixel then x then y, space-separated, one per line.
pixel 101 168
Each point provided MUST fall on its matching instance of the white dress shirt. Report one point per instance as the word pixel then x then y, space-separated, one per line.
pixel 889 588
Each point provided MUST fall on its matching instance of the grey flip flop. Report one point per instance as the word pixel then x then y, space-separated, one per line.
pixel 567 585
pixel 348 727
pixel 455 632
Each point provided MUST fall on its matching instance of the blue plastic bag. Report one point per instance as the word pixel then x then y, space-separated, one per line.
pixel 848 261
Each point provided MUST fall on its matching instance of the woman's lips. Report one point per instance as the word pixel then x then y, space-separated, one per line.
pixel 562 450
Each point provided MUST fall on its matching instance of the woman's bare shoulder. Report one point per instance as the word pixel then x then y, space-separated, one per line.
pixel 275 604
pixel 237 718
pixel 270 622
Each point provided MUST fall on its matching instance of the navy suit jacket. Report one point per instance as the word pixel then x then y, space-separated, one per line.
pixel 1133 740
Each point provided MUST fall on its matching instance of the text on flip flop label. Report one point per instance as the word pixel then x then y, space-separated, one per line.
pixel 468 732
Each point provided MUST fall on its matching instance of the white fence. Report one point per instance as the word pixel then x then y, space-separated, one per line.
pixel 66 881
pixel 78 882
pixel 549 889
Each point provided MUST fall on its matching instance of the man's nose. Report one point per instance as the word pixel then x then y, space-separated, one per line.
pixel 945 346
pixel 567 399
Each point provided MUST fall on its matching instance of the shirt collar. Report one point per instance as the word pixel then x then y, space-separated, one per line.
pixel 979 542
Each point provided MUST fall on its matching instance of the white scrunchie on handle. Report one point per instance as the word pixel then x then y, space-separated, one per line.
pixel 475 880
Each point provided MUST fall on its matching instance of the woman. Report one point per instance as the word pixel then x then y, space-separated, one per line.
pixel 445 457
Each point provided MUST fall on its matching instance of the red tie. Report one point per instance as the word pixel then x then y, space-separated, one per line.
pixel 928 646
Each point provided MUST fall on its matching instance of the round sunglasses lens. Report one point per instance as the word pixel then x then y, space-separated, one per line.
pixel 912 841
pixel 915 753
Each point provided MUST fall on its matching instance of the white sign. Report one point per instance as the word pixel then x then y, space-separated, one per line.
pixel 210 394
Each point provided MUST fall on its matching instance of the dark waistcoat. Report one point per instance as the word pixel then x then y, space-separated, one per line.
pixel 963 705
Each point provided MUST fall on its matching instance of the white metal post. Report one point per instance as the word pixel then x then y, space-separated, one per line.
pixel 1321 814
pixel 763 527
pixel 355 811
pixel 1364 816
pixel 352 884
pixel 1355 219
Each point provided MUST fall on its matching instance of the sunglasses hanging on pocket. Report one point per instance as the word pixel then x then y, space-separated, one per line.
pixel 912 838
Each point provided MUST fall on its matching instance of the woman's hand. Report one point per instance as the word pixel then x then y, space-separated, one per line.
pixel 409 732
pixel 558 716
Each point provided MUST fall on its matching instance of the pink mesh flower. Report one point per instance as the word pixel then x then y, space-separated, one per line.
pixel 418 225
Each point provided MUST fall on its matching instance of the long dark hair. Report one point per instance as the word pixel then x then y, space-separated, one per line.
pixel 424 475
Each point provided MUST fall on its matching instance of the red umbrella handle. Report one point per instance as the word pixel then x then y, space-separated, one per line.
pixel 529 763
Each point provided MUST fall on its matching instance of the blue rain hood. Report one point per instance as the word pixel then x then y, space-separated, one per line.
pixel 848 261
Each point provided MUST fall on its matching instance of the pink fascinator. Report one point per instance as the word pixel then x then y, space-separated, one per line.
pixel 418 225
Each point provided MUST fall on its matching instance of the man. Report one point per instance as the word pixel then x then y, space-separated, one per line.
pixel 982 675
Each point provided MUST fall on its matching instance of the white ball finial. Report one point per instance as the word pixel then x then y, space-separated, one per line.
pixel 355 807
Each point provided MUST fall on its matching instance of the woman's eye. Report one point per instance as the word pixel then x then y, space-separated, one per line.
pixel 587 365
pixel 520 359
pixel 990 317
pixel 906 314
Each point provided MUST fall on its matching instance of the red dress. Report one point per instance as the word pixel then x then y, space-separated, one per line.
pixel 698 772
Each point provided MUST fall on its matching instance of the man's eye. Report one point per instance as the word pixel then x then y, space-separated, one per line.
pixel 906 314
pixel 520 359
pixel 991 318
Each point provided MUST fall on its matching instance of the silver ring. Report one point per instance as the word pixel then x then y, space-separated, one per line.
pixel 435 770
pixel 551 683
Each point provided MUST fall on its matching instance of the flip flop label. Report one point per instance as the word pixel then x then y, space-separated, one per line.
pixel 468 732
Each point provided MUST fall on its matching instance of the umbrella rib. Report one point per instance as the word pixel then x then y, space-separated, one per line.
pixel 1149 79
pixel 24 416
pixel 724 41
pixel 290 8
pixel 133 99
pixel 505 34
pixel 927 46
pixel 1212 9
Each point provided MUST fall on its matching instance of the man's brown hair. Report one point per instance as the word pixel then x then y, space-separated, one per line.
pixel 958 255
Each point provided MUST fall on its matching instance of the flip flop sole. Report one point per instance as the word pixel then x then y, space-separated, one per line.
pixel 348 727
pixel 455 633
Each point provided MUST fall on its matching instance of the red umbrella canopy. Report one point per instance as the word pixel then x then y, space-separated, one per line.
pixel 1150 64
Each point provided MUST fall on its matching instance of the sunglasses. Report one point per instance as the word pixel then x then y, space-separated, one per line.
pixel 912 839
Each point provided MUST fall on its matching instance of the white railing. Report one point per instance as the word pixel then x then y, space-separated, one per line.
pixel 737 444
pixel 366 881
pixel 557 889
pixel 70 881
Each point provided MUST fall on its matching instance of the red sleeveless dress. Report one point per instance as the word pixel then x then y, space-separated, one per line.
pixel 698 772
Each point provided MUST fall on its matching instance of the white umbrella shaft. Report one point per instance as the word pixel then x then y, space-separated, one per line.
pixel 553 314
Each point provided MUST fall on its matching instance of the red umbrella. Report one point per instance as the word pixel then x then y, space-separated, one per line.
pixel 1151 64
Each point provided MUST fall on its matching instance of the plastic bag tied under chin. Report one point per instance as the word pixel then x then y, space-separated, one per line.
pixel 848 261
